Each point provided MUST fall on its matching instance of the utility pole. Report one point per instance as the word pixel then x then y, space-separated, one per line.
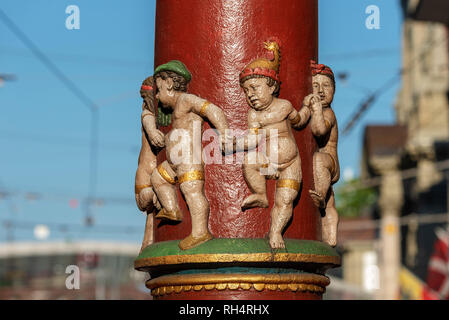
pixel 390 203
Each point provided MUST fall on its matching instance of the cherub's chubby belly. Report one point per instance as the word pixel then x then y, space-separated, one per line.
pixel 178 147
pixel 286 149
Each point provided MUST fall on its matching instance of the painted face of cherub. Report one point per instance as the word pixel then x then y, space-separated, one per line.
pixel 322 85
pixel 164 90
pixel 258 94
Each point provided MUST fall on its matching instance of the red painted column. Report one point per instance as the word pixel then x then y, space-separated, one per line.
pixel 215 39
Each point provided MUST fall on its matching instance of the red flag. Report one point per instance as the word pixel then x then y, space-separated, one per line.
pixel 438 269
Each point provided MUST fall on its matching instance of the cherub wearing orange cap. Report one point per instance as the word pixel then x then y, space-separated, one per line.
pixel 269 116
pixel 323 124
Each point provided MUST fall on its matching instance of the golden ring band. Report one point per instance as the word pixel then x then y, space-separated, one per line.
pixel 203 108
pixel 165 175
pixel 139 188
pixel 190 176
pixel 288 183
pixel 254 130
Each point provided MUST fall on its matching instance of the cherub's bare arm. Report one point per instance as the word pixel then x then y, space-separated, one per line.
pixel 254 137
pixel 300 118
pixel 146 163
pixel 209 111
pixel 251 140
pixel 321 122
pixel 148 120
pixel 149 125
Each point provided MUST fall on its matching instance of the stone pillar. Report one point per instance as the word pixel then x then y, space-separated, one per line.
pixel 215 39
pixel 428 174
pixel 390 201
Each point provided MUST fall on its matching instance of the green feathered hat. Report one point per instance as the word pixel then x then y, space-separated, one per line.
pixel 175 66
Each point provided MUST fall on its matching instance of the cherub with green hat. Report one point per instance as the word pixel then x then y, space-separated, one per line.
pixel 184 166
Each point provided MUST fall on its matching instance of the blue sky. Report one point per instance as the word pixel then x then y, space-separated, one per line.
pixel 45 129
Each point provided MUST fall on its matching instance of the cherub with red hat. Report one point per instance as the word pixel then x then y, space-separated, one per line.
pixel 317 111
pixel 269 126
pixel 152 141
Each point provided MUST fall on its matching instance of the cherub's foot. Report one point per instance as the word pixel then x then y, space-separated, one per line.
pixel 175 215
pixel 190 241
pixel 318 199
pixel 156 203
pixel 276 241
pixel 144 245
pixel 255 200
pixel 330 238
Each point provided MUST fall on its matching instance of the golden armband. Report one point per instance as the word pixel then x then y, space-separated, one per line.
pixel 254 130
pixel 204 108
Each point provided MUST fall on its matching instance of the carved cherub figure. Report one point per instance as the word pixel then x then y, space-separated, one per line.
pixel 152 139
pixel 323 124
pixel 260 82
pixel 188 111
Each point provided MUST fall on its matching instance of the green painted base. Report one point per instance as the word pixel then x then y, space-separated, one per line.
pixel 223 252
pixel 237 246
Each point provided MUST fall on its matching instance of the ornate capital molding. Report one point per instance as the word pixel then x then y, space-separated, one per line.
pixel 419 148
pixel 385 164
pixel 173 284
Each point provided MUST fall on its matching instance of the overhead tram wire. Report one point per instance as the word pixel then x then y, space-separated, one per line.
pixel 34 196
pixel 67 227
pixel 78 58
pixel 373 53
pixel 368 101
pixel 371 98
pixel 91 106
pixel 63 140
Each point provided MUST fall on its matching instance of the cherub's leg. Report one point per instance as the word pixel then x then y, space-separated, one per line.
pixel 256 183
pixel 145 196
pixel 144 199
pixel 163 180
pixel 148 236
pixel 329 222
pixel 191 179
pixel 287 188
pixel 143 187
pixel 322 167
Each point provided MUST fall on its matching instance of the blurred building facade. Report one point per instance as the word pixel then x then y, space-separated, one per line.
pixel 39 271
pixel 408 162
